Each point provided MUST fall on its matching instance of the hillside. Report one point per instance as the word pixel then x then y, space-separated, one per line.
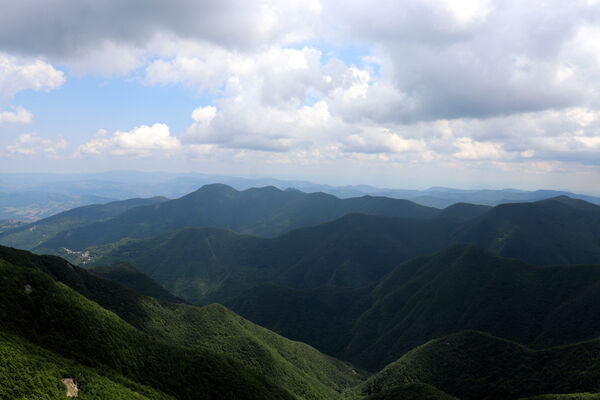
pixel 211 335
pixel 556 231
pixel 260 211
pixel 472 365
pixel 131 278
pixel 29 371
pixel 31 235
pixel 207 265
pixel 463 287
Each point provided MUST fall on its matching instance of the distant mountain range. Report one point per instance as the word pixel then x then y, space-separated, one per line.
pixel 59 192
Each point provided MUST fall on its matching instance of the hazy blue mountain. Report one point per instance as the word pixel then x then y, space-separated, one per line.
pixel 129 184
pixel 264 211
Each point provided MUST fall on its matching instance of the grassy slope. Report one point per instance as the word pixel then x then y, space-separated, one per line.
pixel 298 368
pixel 472 365
pixel 31 235
pixel 31 372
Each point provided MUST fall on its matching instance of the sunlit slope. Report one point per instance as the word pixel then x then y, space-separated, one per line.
pixel 213 330
pixel 28 371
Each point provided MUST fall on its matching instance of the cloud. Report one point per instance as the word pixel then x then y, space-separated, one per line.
pixel 473 150
pixel 140 141
pixel 32 144
pixel 80 32
pixel 18 74
pixel 19 115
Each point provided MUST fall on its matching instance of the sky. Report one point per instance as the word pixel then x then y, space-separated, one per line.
pixel 400 94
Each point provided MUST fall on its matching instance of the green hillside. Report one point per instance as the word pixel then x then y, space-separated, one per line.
pixel 31 372
pixel 556 231
pixel 472 365
pixel 463 287
pixel 210 331
pixel 203 265
pixel 264 211
pixel 207 265
pixel 29 236
pixel 55 317
pixel 128 276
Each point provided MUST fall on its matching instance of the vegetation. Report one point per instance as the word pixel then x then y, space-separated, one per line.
pixel 30 372
pixel 210 334
pixel 463 287
pixel 473 365
pixel 261 211
pixel 128 276
pixel 55 317
pixel 208 265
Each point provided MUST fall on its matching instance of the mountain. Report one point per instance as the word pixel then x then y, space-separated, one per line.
pixel 555 231
pixel 463 211
pixel 175 348
pixel 128 184
pixel 261 211
pixel 206 265
pixel 463 287
pixel 203 265
pixel 30 235
pixel 473 365
pixel 131 278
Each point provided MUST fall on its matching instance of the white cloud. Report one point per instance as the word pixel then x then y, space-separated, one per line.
pixel 473 150
pixel 19 115
pixel 31 144
pixel 140 141
pixel 19 74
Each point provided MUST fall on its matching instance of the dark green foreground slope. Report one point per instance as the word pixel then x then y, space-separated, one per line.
pixel 185 351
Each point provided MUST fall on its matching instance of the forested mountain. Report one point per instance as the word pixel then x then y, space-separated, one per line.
pixel 463 287
pixel 261 211
pixel 370 288
pixel 473 365
pixel 181 350
pixel 202 265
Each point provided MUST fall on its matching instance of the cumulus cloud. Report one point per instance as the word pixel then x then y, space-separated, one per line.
pixel 31 144
pixel 18 115
pixel 20 74
pixel 96 30
pixel 140 141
